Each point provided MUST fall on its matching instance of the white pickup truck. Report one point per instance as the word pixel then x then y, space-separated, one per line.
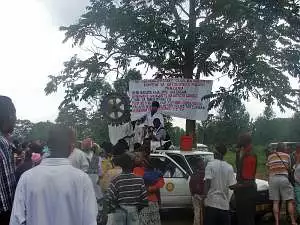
pixel 177 167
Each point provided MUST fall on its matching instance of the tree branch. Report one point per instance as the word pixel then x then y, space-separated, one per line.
pixel 183 10
pixel 177 20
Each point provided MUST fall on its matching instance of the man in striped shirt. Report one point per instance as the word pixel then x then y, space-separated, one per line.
pixel 7 177
pixel 279 186
pixel 126 194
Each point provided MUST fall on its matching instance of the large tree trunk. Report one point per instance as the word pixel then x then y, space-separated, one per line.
pixel 190 62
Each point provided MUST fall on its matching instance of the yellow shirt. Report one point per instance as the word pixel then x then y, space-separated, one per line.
pixel 109 176
pixel 106 165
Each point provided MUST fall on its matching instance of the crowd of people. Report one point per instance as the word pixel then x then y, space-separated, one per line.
pixel 67 182
pixel 212 185
pixel 63 181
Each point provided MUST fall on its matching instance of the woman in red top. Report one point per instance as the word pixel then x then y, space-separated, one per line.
pixel 153 181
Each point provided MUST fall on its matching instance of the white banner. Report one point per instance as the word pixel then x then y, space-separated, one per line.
pixel 177 97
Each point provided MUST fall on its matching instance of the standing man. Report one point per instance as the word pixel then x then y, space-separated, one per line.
pixel 219 176
pixel 78 158
pixel 245 189
pixel 153 114
pixel 54 192
pixel 280 187
pixel 7 177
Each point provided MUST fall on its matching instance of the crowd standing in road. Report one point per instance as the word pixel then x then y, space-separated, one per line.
pixel 63 182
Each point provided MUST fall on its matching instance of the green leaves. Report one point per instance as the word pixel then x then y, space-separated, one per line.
pixel 232 119
pixel 254 42
pixel 122 85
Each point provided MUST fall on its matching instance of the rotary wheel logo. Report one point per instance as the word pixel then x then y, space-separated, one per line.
pixel 170 187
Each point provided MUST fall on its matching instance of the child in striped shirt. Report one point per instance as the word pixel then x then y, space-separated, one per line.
pixel 126 194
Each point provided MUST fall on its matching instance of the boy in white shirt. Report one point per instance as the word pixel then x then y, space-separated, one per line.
pixel 219 176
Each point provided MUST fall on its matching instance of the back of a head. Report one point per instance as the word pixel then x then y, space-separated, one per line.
pixel 36 147
pixel 199 163
pixel 125 161
pixel 7 115
pixel 60 141
pixel 107 147
pixel 221 150
pixel 245 140
pixel 280 147
pixel 120 148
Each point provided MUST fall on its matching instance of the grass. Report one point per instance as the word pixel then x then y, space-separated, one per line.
pixel 261 160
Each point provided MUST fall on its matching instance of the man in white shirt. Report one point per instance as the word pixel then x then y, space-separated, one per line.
pixel 78 158
pixel 219 176
pixel 153 114
pixel 55 193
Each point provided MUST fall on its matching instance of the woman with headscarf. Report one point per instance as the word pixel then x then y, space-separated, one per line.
pixel 154 182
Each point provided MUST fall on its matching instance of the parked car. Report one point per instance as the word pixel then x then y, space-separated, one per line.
pixel 178 166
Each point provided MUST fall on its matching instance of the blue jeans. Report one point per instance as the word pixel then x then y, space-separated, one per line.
pixel 126 215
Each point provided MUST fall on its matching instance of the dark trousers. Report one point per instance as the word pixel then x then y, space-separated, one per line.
pixel 214 216
pixel 4 218
pixel 245 205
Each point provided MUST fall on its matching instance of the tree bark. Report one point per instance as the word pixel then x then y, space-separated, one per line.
pixel 190 62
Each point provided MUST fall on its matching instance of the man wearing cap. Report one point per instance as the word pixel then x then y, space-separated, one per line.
pixel 153 114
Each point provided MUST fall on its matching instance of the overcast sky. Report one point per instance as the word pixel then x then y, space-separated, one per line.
pixel 31 49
